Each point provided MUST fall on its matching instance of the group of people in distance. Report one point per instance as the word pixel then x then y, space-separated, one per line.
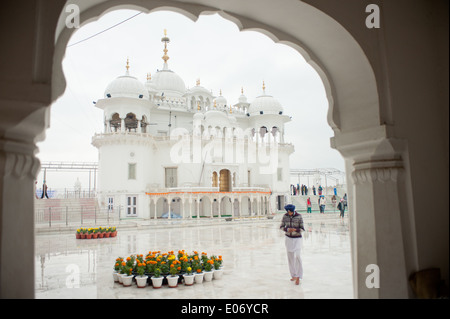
pixel 342 205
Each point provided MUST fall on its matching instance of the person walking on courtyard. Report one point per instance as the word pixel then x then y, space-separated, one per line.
pixel 314 190
pixel 345 201
pixel 322 202
pixel 292 225
pixel 308 205
pixel 341 207
pixel 320 190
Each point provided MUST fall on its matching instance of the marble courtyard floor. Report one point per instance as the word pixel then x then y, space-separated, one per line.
pixel 253 251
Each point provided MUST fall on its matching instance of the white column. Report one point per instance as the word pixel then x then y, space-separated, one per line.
pixel 212 205
pixel 219 206
pixel 379 210
pixel 122 125
pixel 170 207
pixel 240 206
pixel 18 170
pixel 198 207
pixel 182 207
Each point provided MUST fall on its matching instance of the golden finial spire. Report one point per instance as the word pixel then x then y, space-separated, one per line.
pixel 264 87
pixel 128 64
pixel 198 106
pixel 166 40
pixel 198 82
pixel 215 103
pixel 149 76
pixel 220 92
pixel 230 109
pixel 242 90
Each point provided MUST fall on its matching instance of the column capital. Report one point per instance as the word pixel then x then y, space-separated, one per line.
pixel 377 171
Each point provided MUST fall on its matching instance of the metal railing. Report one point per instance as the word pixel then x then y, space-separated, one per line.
pixel 76 216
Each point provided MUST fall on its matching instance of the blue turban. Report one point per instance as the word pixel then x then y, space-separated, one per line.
pixel 290 207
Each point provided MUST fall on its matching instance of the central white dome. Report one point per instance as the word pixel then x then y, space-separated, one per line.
pixel 126 86
pixel 169 82
pixel 266 104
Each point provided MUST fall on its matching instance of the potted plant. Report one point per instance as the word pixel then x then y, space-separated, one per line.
pixel 141 278
pixel 172 279
pixel 95 233
pixel 89 233
pixel 157 278
pixel 101 232
pixel 208 270
pixel 127 276
pixel 188 277
pixel 78 234
pixel 113 232
pixel 83 232
pixel 107 232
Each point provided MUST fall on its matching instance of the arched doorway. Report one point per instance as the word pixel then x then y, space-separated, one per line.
pixel 226 206
pixel 162 206
pixel 224 180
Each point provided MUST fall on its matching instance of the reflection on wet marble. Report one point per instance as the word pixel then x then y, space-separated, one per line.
pixel 253 252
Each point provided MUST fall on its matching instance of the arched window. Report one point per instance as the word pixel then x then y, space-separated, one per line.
pixel 115 123
pixel 215 180
pixel 131 122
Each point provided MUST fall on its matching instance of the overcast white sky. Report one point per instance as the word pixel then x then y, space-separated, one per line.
pixel 211 49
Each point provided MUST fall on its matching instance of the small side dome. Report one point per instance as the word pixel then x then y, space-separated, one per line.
pixel 199 90
pixel 242 97
pixel 220 100
pixel 265 104
pixel 126 86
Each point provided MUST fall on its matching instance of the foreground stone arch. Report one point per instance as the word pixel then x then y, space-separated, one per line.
pixel 375 106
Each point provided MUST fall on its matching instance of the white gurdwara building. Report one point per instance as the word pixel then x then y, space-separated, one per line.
pixel 168 151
